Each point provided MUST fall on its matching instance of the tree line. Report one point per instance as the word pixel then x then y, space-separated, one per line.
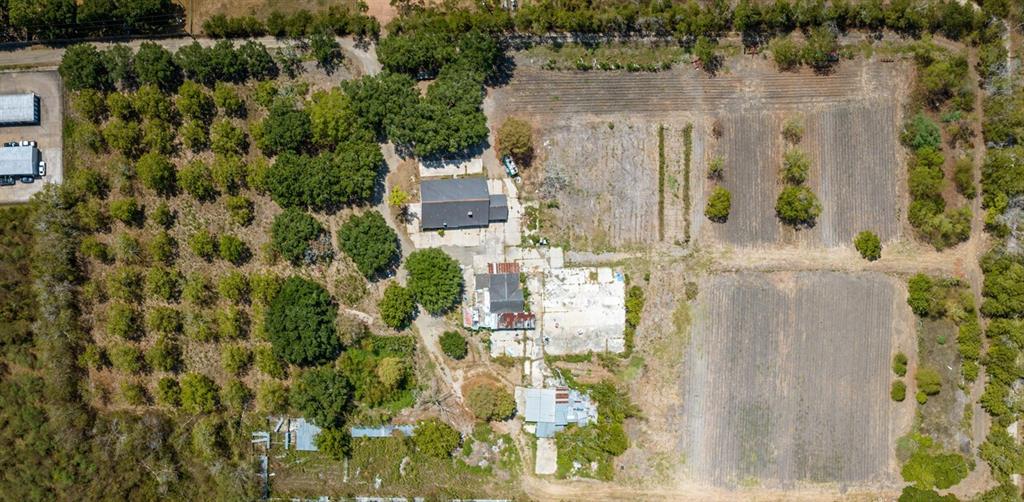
pixel 26 20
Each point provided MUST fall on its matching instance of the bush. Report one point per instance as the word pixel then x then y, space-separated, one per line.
pixel 125 283
pixel 163 216
pixel 226 139
pixel 203 244
pixel 240 209
pixel 163 320
pixel 163 284
pixel 898 392
pixel 152 103
pixel 234 286
pixel 232 323
pixel 228 100
pixel 435 279
pixel 490 402
pixel 797 205
pixel 163 248
pixel 928 467
pixel 795 167
pixel 208 438
pixel 868 245
pixel 923 298
pixel 195 135
pixel 233 249
pixel 928 380
pixel 168 392
pixel 963 177
pixel 155 65
pixel 164 355
pixel 272 397
pixel 199 325
pixel 286 129
pixel 91 105
pixel 93 248
pixel 334 443
pixel 194 103
pixel 198 394
pixel 124 321
pixel 899 364
pixel 235 359
pixel 515 139
pixel 127 211
pixel 921 132
pixel 793 131
pixel 134 394
pixel 236 396
pixel 197 179
pixel 268 363
pixel 126 358
pixel 198 290
pixel 397 307
pixel 123 136
pixel 436 438
pixel 300 323
pixel 291 234
pixel 453 344
pixel 129 250
pixel 322 395
pixel 785 53
pixel 719 205
pixel 369 242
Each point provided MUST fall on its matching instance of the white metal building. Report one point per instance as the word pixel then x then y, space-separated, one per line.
pixel 19 109
pixel 19 161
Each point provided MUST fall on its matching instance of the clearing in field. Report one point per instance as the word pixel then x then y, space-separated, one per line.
pixel 600 150
pixel 786 379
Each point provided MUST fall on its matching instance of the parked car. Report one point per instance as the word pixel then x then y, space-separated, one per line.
pixel 11 143
pixel 6 180
pixel 28 179
pixel 510 166
pixel 42 168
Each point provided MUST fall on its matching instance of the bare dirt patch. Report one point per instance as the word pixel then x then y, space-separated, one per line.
pixel 786 379
pixel 599 150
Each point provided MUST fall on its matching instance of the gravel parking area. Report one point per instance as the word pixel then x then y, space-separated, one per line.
pixel 47 135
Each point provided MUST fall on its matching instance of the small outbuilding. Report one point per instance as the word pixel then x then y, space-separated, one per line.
pixel 304 434
pixel 19 109
pixel 552 409
pixel 460 203
pixel 19 161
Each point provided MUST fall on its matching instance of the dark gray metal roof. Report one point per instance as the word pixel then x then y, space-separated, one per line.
pixel 505 290
pixel 499 207
pixel 19 161
pixel 19 109
pixel 454 203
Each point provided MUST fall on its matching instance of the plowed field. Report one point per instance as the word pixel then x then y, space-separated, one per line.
pixel 786 379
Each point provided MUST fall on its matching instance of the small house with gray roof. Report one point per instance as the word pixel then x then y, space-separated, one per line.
pixel 460 203
pixel 500 300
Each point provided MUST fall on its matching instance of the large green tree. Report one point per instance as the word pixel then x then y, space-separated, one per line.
pixel 322 395
pixel 369 242
pixel 292 232
pixel 435 279
pixel 82 68
pixel 300 323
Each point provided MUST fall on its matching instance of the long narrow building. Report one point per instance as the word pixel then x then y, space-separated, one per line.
pixel 19 109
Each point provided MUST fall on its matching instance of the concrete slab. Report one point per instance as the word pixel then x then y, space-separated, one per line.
pixel 583 309
pixel 47 135
pixel 450 168
pixel 547 457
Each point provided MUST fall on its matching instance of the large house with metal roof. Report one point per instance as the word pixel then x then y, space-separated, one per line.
pixel 552 409
pixel 19 161
pixel 19 109
pixel 460 203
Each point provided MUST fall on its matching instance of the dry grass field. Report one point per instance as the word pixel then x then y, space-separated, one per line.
pixel 786 379
pixel 598 133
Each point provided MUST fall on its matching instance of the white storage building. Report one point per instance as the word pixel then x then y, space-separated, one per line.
pixel 19 161
pixel 19 109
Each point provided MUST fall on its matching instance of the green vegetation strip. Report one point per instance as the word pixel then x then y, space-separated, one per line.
pixel 687 154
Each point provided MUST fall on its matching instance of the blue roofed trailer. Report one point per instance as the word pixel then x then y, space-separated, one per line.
pixel 19 109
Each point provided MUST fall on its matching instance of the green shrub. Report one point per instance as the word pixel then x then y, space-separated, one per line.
pixel 322 395
pixel 436 438
pixel 236 396
pixel 868 245
pixel 195 135
pixel 200 326
pixel 369 242
pixel 291 234
pixel 924 298
pixel 300 323
pixel 124 321
pixel 233 249
pixel 125 283
pixel 928 467
pixel 157 173
pixel 899 364
pixel 163 248
pixel 928 380
pixel 797 205
pixel 795 166
pixel 235 359
pixel 490 402
pixel 127 211
pixel 168 392
pixel 163 283
pixel 963 177
pixel 453 344
pixel 268 363
pixel 227 139
pixel 397 307
pixel 126 358
pixel 920 132
pixel 197 179
pixel 272 397
pixel 719 205
pixel 164 355
pixel 228 100
pixel 93 248
pixel 128 250
pixel 232 323
pixel 203 244
pixel 793 131
pixel 435 279
pixel 899 391
pixel 163 216
pixel 264 287
pixel 198 394
pixel 240 209
pixel 134 394
pixel 198 290
pixel 234 286
pixel 163 320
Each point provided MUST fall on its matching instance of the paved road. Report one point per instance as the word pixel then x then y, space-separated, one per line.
pixel 49 57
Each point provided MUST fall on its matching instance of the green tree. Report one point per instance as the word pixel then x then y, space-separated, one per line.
pixel 300 323
pixel 163 283
pixel 325 49
pixel 197 179
pixel 797 205
pixel 449 119
pixel 898 392
pixel 134 394
pixel 704 51
pixel 785 53
pixel 369 242
pixel 123 136
pixel 240 209
pixel 155 65
pixel 333 121
pixel 286 129
pixel 379 100
pixel 795 166
pixel 152 103
pixel 334 443
pixel 124 321
pixel 868 245
pixel 233 249
pixel 515 139
pixel 195 135
pixel 292 232
pixel 203 244
pixel 226 139
pixel 194 103
pixel 921 132
pixel 899 364
pixel 168 392
pixel 228 101
pixel 923 298
pixel 235 359
pixel 234 286
pixel 164 355
pixel 322 395
pixel 127 358
pixel 435 279
pixel 272 397
pixel 821 50
pixel 198 394
pixel 719 205
pixel 397 307
pixel 490 402
pixel 436 438
pixel 157 173
pixel 453 344
pixel 82 68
